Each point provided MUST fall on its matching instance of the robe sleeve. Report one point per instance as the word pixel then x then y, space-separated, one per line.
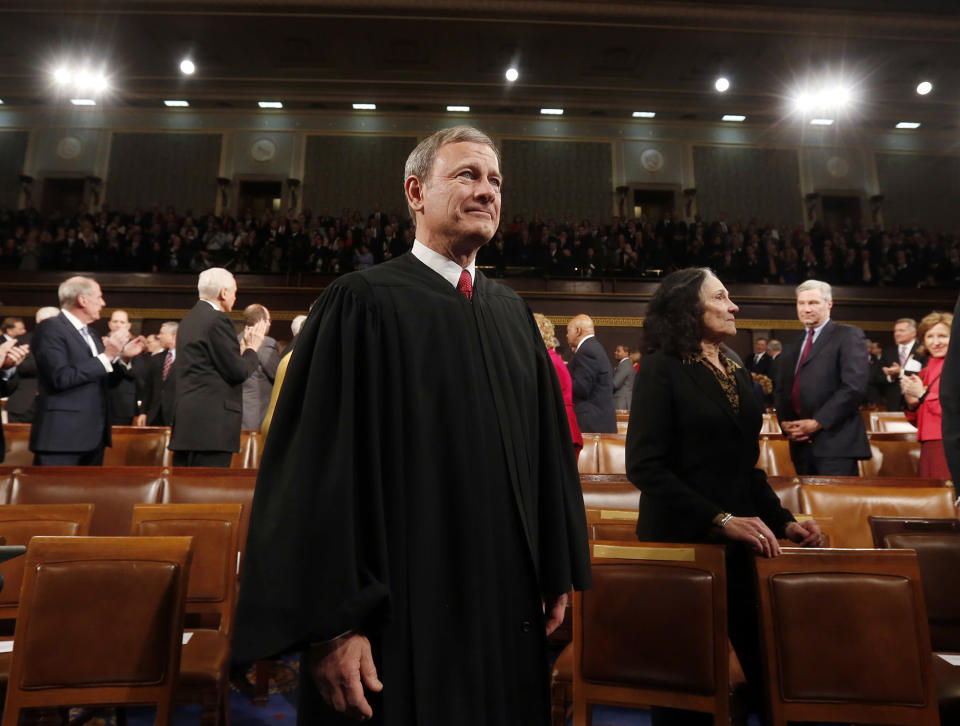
pixel 316 563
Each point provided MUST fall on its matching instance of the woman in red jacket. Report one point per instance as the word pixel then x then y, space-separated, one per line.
pixel 566 385
pixel 922 394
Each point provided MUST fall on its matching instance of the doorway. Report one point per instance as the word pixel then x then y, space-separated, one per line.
pixel 652 203
pixel 62 195
pixel 261 196
pixel 841 211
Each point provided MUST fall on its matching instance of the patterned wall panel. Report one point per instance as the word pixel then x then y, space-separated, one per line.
pixel 13 149
pixel 559 179
pixel 176 169
pixel 744 183
pixel 355 172
pixel 920 190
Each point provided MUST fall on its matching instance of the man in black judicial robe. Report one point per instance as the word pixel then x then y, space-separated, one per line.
pixel 415 512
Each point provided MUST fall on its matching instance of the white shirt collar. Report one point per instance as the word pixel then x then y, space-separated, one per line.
pixel 584 340
pixel 443 266
pixel 214 305
pixel 74 320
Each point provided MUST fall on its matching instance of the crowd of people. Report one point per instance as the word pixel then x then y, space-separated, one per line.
pixel 752 251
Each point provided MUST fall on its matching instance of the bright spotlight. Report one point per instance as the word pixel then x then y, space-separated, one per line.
pixel 100 83
pixel 722 84
pixel 62 75
pixel 83 80
pixel 187 67
pixel 924 87
pixel 512 74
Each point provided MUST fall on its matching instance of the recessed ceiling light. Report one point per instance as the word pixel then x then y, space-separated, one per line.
pixel 269 104
pixel 908 125
pixel 924 87
pixel 459 109
pixel 364 107
pixel 722 84
pixel 187 67
pixel 83 102
pixel 552 111
pixel 512 74
pixel 644 114
pixel 181 104
pixel 821 121
pixel 734 117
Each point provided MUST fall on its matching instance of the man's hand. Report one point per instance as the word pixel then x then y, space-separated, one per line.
pixel 113 343
pixel 341 669
pixel 891 371
pixel 133 348
pixel 140 420
pixel 12 354
pixel 253 336
pixel 800 430
pixel 805 534
pixel 555 612
pixel 754 532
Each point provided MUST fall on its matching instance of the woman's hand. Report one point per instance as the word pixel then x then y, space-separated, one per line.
pixel 911 386
pixel 754 532
pixel 805 534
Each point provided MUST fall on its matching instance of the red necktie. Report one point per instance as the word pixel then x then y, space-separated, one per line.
pixel 167 364
pixel 465 285
pixel 795 391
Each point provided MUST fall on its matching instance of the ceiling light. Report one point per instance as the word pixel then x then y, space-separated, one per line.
pixel 908 125
pixel 179 104
pixel 512 74
pixel 821 122
pixel 364 107
pixel 187 67
pixel 459 109
pixel 82 80
pixel 269 104
pixel 722 84
pixel 1 101
pixel 100 83
pixel 552 111
pixel 924 87
pixel 83 102
pixel 734 117
pixel 62 75
pixel 644 114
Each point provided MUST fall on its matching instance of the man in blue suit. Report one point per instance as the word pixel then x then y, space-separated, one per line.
pixel 74 368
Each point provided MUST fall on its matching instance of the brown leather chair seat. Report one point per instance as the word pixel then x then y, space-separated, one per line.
pixel 203 660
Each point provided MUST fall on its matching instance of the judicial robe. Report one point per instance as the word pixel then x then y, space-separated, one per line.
pixel 418 485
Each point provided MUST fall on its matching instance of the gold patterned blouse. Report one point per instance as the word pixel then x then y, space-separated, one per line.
pixel 726 378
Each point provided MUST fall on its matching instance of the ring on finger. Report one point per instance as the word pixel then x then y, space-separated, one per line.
pixel 760 536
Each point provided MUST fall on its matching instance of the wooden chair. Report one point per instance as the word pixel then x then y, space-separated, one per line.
pixel 71 650
pixel 587 463
pixel 636 649
pixel 17 438
pixel 775 457
pixel 611 454
pixel 845 638
pixel 215 528
pixel 612 491
pixel 892 458
pixel 889 422
pixel 138 446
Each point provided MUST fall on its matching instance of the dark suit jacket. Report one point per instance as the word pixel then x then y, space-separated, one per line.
pixel 159 396
pixel 210 376
pixel 22 398
pixel 762 367
pixel 891 390
pixel 696 457
pixel 592 379
pixel 72 408
pixel 950 398
pixel 833 384
pixel 125 391
pixel 5 388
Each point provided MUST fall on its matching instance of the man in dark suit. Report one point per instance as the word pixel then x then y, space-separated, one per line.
pixel 74 367
pixel 760 361
pixel 22 391
pixel 592 379
pixel 160 381
pixel 822 382
pixel 124 388
pixel 211 368
pixel 895 357
pixel 11 355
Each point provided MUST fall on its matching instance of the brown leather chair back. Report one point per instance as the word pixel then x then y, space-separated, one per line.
pixel 787 488
pixel 892 458
pixel 668 649
pixel 880 526
pixel 249 455
pixel 770 425
pixel 939 556
pixel 215 530
pixel 18 445
pixel 21 523
pixel 775 457
pixel 72 650
pixel 609 491
pixel 114 491
pixel 845 637
pixel 611 450
pixel 138 446
pixel 850 506
pixel 587 463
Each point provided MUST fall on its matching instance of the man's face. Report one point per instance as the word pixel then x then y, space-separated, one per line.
pixel 166 339
pixel 573 332
pixel 17 330
pixel 91 304
pixel 812 309
pixel 119 321
pixel 228 296
pixel 760 346
pixel 620 353
pixel 461 200
pixel 903 333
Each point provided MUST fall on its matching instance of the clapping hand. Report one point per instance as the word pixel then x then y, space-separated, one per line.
pixel 12 354
pixel 253 336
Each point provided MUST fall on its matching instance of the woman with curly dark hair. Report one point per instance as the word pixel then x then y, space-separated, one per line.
pixel 692 449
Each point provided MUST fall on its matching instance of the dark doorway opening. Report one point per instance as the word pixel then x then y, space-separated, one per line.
pixel 652 203
pixel 261 196
pixel 62 195
pixel 840 211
